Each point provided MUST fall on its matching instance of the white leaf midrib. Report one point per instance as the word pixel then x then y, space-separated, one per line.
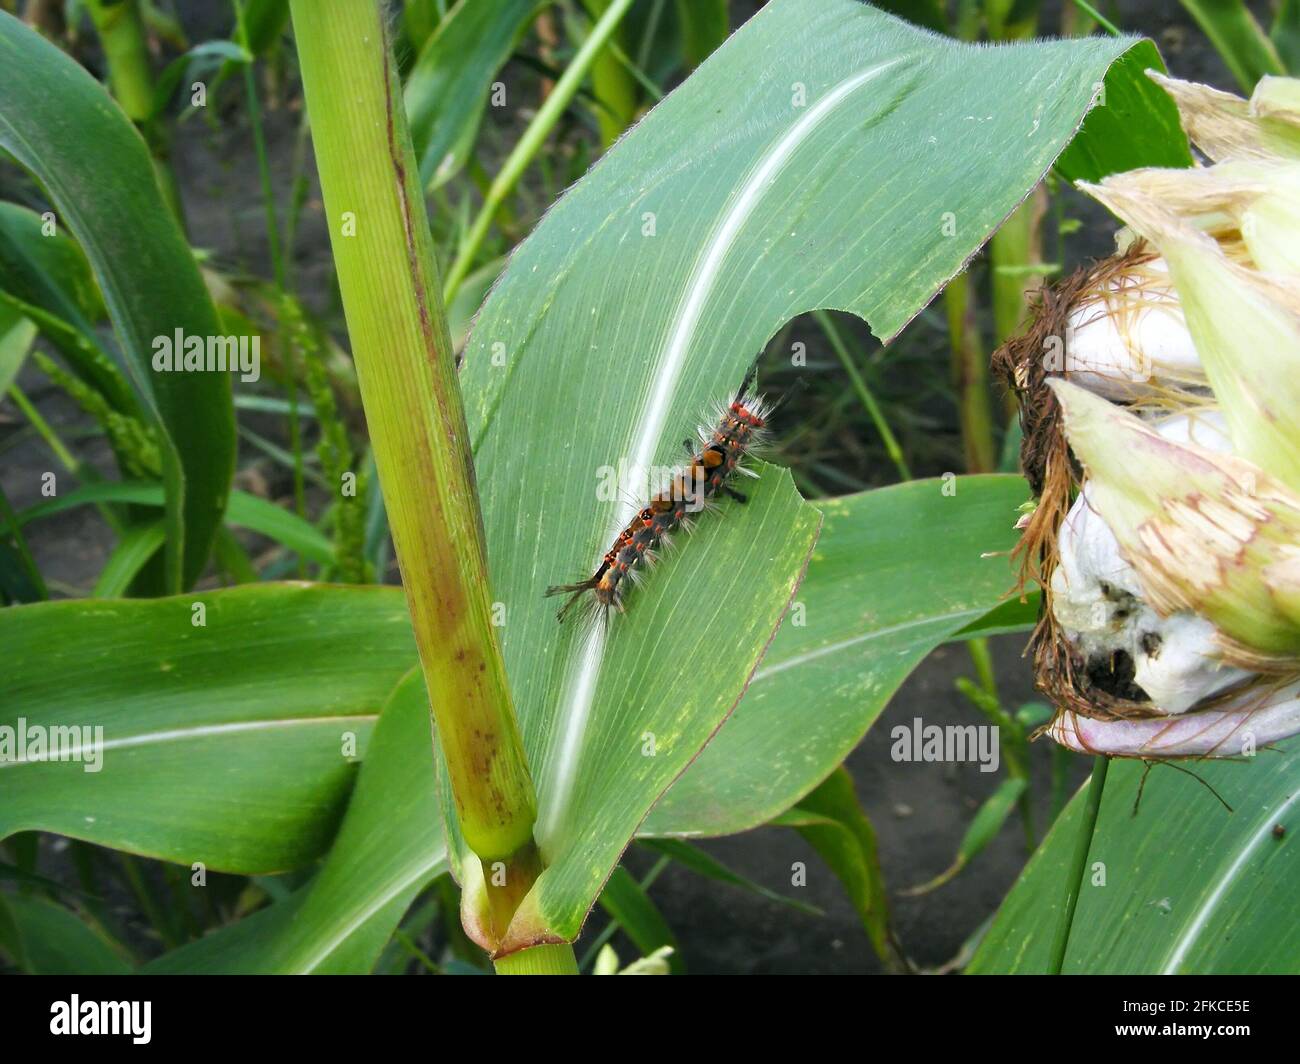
pixel 201 731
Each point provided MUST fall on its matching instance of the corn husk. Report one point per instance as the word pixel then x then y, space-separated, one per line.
pixel 1203 531
pixel 1225 127
pixel 1245 325
pixel 1164 448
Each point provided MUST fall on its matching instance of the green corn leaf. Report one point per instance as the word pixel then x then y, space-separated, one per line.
pixel 133 551
pixel 448 89
pixel 1183 886
pixel 232 743
pixel 44 938
pixel 833 823
pixel 50 110
pixel 245 511
pixel 983 829
pixel 388 848
pixel 896 572
pixel 628 905
pixel 705 864
pixel 872 160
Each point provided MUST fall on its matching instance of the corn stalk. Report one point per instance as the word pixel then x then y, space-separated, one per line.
pixel 388 278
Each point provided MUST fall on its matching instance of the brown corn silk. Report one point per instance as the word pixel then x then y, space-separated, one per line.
pixel 1055 478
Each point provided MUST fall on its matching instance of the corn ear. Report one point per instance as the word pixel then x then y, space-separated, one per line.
pixel 1206 532
pixel 1245 328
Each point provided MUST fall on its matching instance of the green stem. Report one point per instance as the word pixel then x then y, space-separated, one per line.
pixel 612 928
pixel 409 944
pixel 259 148
pixel 611 84
pixel 183 917
pixel 1075 22
pixel 66 458
pixel 1062 759
pixel 649 34
pixel 984 697
pixel 531 143
pixel 970 376
pixel 872 407
pixel 20 545
pixel 126 54
pixel 290 349
pixel 277 263
pixel 236 566
pixel 966 24
pixel 299 189
pixel 982 659
pixel 383 254
pixel 651 88
pixel 540 960
pixel 130 77
pixel 1011 20
pixel 1079 867
pixel 703 28
pixel 1238 38
pixel 69 461
pixel 1098 17
pixel 1015 252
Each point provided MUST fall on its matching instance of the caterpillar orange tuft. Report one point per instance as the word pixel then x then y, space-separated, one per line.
pixel 739 428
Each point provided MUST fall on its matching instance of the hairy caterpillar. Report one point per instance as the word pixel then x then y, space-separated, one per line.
pixel 738 429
